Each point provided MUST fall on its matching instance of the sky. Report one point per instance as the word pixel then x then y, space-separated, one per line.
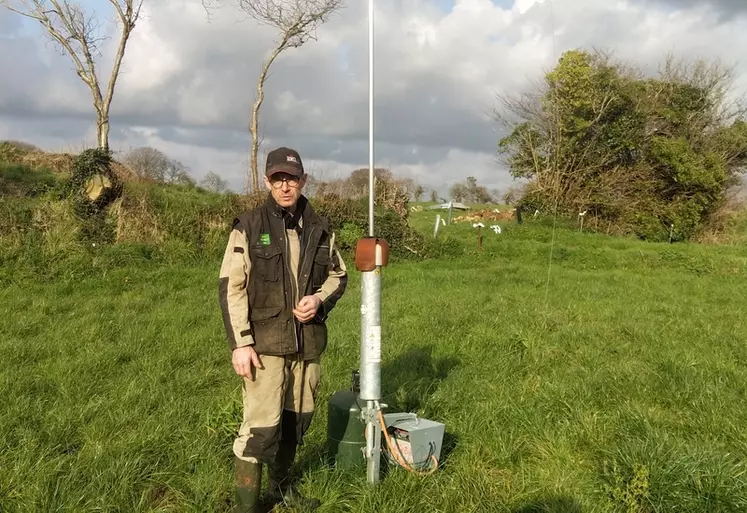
pixel 188 81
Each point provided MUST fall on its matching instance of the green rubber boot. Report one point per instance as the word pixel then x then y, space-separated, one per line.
pixel 280 489
pixel 248 486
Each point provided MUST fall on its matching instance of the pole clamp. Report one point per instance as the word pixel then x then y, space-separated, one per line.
pixel 371 252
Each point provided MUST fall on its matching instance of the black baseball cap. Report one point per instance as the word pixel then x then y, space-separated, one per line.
pixel 284 160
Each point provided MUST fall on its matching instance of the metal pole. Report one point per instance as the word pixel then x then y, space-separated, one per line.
pixel 370 364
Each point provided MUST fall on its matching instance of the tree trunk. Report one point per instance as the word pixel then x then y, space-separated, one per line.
pixel 102 126
pixel 253 129
pixel 97 187
pixel 67 24
pixel 254 126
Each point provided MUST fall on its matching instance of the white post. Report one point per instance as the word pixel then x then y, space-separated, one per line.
pixel 438 222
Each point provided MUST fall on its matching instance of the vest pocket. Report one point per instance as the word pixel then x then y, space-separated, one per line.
pixel 315 338
pixel 262 314
pixel 267 262
pixel 268 328
pixel 320 271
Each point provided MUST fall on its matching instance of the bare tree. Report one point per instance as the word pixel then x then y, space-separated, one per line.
pixel 418 192
pixel 296 22
pixel 458 192
pixel 213 182
pixel 314 186
pixel 152 164
pixel 178 173
pixel 147 162
pixel 75 31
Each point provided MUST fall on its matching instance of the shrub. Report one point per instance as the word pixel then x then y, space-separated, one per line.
pixel 11 153
pixel 350 216
pixel 58 230
pixel 446 247
pixel 23 181
pixel 347 237
pixel 638 153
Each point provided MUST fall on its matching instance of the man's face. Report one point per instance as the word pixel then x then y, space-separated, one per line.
pixel 285 188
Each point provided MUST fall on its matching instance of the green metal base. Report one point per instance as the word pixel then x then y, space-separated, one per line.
pixel 346 438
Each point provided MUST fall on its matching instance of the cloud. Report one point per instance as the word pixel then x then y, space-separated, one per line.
pixel 725 8
pixel 188 83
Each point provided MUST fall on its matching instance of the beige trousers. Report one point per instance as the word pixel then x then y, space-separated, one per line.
pixel 278 404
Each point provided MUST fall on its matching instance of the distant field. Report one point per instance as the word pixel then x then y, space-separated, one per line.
pixel 613 379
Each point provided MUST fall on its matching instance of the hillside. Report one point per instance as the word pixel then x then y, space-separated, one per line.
pixel 61 164
pixel 48 222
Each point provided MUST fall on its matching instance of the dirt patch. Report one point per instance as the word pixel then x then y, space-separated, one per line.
pixel 486 215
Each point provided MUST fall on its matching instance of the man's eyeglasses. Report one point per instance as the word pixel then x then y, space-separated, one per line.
pixel 278 182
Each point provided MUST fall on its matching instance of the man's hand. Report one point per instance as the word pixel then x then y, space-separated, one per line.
pixel 307 307
pixel 243 359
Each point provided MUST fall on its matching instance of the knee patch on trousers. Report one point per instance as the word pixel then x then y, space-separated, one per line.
pixel 262 443
pixel 295 425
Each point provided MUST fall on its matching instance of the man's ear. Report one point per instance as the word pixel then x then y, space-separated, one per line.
pixel 266 182
pixel 302 181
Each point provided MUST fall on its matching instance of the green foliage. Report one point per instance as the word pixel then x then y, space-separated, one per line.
pixel 525 150
pixel 641 154
pixel 443 247
pixel 348 236
pixel 23 181
pixel 90 162
pixel 177 215
pixel 16 214
pixel 91 213
pixel 60 232
pixel 685 170
pixel 728 225
pixel 630 493
pixel 351 217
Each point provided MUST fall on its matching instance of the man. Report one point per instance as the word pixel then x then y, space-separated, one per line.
pixel 281 276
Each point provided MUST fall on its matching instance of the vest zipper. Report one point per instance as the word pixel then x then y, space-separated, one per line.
pixel 301 267
pixel 294 284
pixel 306 250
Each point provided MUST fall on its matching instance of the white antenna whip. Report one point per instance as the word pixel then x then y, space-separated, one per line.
pixel 371 118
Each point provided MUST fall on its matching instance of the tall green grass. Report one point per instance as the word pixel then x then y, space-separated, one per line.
pixel 573 371
pixel 610 378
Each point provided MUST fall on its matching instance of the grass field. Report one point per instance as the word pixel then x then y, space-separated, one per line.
pixel 610 378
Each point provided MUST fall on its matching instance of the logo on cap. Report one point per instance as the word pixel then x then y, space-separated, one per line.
pixel 291 158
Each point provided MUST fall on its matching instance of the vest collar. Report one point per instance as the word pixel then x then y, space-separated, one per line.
pixel 304 214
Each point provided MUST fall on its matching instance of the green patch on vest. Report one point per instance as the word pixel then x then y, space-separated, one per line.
pixel 264 239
